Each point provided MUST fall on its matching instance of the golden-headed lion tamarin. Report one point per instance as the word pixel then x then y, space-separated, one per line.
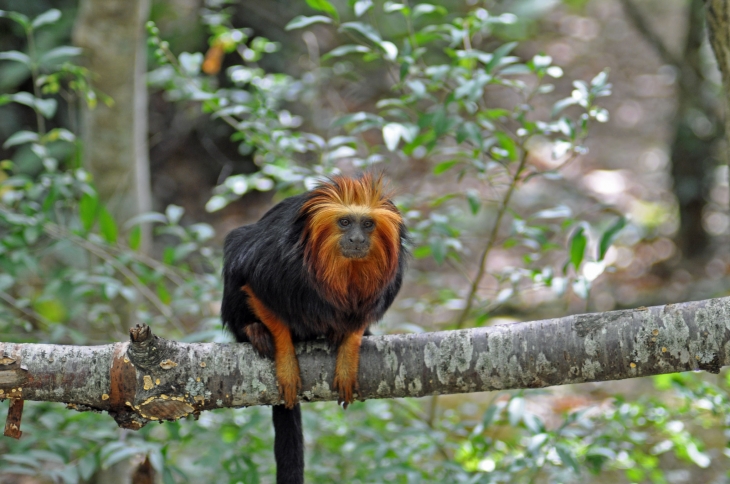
pixel 325 263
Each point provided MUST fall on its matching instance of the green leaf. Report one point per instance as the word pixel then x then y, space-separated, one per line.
pixel 390 7
pixel 444 166
pixel 365 30
pixel 389 49
pixel 424 251
pixel 145 218
pixel 469 131
pixel 359 118
pixel 60 52
pixel 489 415
pixel 392 133
pixel 51 309
pixel 163 293
pixel 324 6
pixel 30 234
pixel 183 250
pixel 18 17
pixel 21 137
pixel 57 134
pixel 47 17
pixel 581 287
pixel 507 143
pixel 6 281
pixel 362 6
pixel 24 98
pixel 700 458
pixel 578 242
pixel 404 68
pixel 437 202
pixel 561 211
pixel 87 465
pixel 533 423
pixel 440 121
pixel 609 236
pixel 168 255
pixel 438 250
pixel 562 104
pixel 118 455
pixel 135 237
pixel 107 226
pixel 174 213
pixel 347 49
pixel 302 21
pixel 427 8
pixel 14 55
pixel 88 207
pixel 47 107
pixel 498 54
pixel 600 79
pixel 474 202
pixel 566 455
pixel 515 410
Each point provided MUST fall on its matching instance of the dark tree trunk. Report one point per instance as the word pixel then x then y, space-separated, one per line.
pixel 692 150
pixel 695 125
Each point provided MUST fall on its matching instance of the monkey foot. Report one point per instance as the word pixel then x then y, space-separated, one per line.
pixel 346 387
pixel 288 392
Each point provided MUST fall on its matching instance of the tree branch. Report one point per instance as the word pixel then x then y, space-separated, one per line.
pixel 156 379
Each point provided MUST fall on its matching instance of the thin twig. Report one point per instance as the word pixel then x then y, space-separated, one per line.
pixel 490 242
pixel 43 323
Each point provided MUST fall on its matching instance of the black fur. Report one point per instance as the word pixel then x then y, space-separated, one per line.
pixel 268 256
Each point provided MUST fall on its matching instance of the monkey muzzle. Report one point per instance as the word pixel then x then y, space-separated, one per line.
pixel 355 245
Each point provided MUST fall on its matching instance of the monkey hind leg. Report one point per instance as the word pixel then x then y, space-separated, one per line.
pixel 346 367
pixel 261 339
pixel 288 444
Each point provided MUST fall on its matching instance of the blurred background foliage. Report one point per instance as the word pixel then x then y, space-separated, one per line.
pixel 525 198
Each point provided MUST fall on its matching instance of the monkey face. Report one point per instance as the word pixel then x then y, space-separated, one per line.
pixel 355 234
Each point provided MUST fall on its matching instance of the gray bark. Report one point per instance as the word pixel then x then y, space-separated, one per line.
pixel 112 34
pixel 155 379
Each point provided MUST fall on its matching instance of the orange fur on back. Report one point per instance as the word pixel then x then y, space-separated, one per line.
pixel 350 283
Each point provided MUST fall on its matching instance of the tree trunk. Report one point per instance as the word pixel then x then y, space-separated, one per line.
pixel 112 34
pixel 718 23
pixel 692 150
pixel 694 139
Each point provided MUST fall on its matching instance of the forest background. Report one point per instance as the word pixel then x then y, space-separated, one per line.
pixel 551 158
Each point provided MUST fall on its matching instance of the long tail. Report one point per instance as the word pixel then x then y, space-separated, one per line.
pixel 288 444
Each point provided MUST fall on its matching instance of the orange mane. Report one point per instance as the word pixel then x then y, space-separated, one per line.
pixel 350 283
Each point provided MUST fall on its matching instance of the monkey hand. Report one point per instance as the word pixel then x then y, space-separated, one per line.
pixel 346 386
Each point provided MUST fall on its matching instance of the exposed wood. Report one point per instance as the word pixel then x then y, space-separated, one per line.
pixel 12 423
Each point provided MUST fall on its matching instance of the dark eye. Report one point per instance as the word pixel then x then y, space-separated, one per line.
pixel 344 222
pixel 367 224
